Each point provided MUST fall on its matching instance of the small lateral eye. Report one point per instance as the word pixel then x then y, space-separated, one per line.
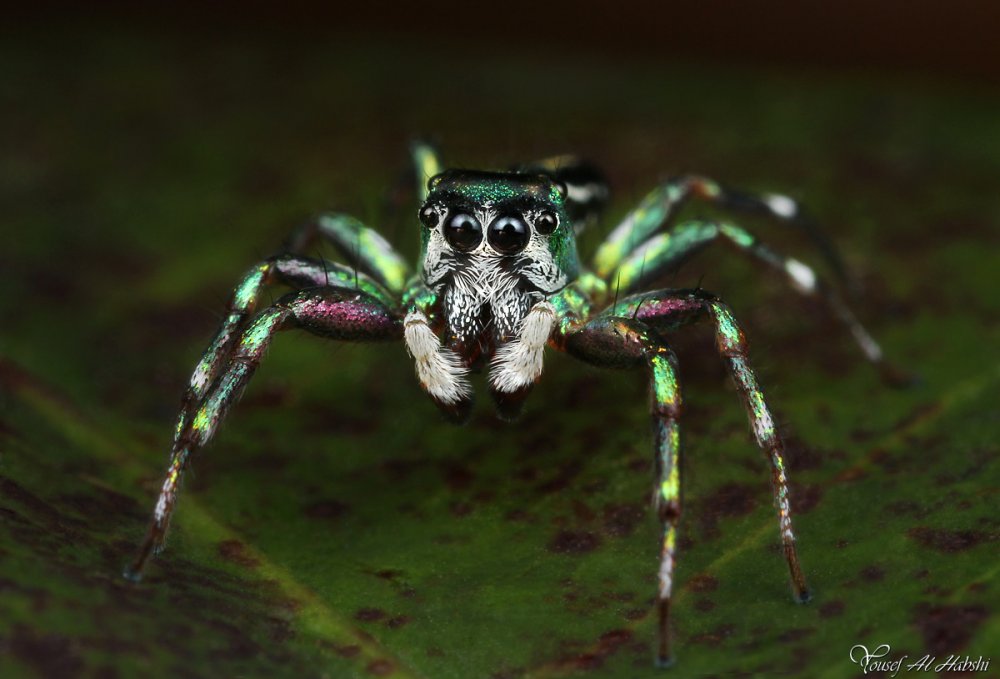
pixel 428 216
pixel 509 234
pixel 546 222
pixel 463 232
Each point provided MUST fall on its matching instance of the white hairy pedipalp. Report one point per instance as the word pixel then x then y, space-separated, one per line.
pixel 519 363
pixel 439 369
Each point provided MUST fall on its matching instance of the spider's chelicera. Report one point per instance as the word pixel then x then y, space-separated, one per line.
pixel 498 280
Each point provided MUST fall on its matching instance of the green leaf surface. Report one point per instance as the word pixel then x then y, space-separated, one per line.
pixel 337 527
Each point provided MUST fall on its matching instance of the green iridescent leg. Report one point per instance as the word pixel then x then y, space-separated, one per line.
pixel 665 252
pixel 363 247
pixel 666 412
pixel 733 347
pixel 426 164
pixel 335 313
pixel 610 341
pixel 668 310
pixel 658 208
pixel 298 272
pixel 629 334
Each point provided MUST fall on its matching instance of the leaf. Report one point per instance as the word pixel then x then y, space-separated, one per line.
pixel 337 527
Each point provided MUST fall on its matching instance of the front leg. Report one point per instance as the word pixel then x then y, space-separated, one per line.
pixel 363 247
pixel 328 312
pixel 291 270
pixel 616 343
pixel 668 310
pixel 630 334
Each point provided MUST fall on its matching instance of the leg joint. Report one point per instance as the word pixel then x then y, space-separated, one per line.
pixel 668 510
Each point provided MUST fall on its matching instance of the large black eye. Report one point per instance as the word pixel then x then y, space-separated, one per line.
pixel 428 216
pixel 463 231
pixel 546 222
pixel 508 234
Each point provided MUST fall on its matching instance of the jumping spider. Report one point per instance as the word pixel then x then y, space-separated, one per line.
pixel 499 280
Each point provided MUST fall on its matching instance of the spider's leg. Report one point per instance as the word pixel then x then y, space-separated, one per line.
pixel 658 208
pixel 336 313
pixel 733 347
pixel 426 164
pixel 616 342
pixel 665 252
pixel 298 272
pixel 666 310
pixel 363 247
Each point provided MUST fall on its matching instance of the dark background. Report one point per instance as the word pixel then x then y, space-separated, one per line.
pixel 952 40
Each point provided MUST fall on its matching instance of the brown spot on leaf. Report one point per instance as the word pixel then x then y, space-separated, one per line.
pixel 573 542
pixel 397 621
pixel 799 456
pixel 369 614
pixel 347 651
pixel 702 582
pixel 566 473
pixel 607 644
pixel 457 476
pixel 713 637
pixel 730 499
pixel 795 634
pixel 831 609
pixel 621 520
pixel 947 629
pixel 872 574
pixel 518 515
pixel 733 499
pixel 704 605
pixel 235 552
pixel 805 498
pixel 380 667
pixel 949 540
pixel 326 509
pixel 584 662
pixel 851 474
pixel 904 508
pixel 610 641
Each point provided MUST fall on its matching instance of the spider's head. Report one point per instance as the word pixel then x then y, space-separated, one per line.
pixel 508 221
pixel 493 244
